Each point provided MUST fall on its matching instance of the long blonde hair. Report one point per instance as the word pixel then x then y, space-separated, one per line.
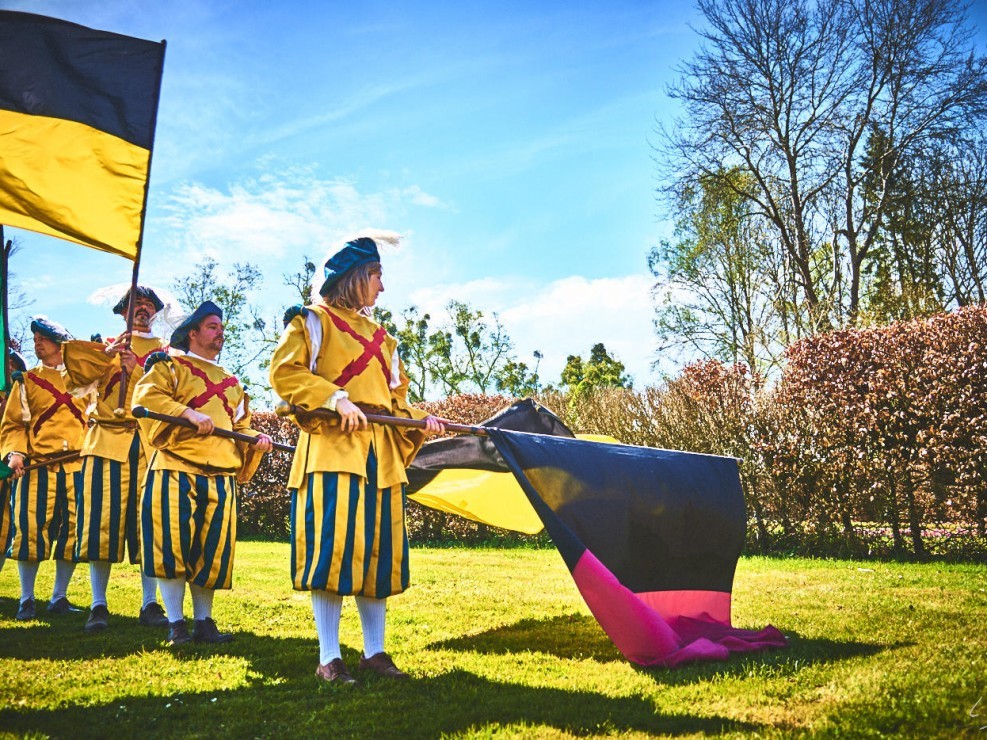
pixel 350 291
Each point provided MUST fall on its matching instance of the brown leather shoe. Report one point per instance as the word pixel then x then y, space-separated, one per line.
pixel 335 672
pixel 382 665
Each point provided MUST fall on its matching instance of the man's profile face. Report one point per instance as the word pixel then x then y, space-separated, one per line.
pixel 45 349
pixel 208 339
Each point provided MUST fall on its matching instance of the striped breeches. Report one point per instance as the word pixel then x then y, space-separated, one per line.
pixel 348 536
pixel 107 504
pixel 4 516
pixel 42 504
pixel 188 527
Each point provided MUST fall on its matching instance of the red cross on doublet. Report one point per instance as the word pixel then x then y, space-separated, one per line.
pixel 372 350
pixel 213 390
pixel 61 398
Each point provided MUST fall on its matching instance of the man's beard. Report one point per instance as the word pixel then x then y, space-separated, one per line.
pixel 142 318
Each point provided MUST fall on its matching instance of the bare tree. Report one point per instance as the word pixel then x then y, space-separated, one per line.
pixel 790 92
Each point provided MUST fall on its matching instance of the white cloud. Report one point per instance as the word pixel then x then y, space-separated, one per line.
pixel 273 219
pixel 564 317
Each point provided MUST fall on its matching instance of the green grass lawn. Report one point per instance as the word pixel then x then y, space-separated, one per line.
pixel 500 644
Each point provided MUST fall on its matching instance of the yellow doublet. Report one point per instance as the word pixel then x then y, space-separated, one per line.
pixel 88 367
pixel 322 445
pixel 41 418
pixel 176 384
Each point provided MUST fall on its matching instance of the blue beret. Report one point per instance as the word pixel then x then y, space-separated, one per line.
pixel 16 360
pixel 355 253
pixel 49 329
pixel 179 338
pixel 292 312
pixel 154 358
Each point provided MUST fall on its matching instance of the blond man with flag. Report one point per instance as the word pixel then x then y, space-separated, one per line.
pixel 347 478
pixel 42 421
pixel 188 509
pixel 114 459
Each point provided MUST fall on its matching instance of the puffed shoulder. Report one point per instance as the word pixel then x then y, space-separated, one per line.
pixel 292 312
pixel 154 359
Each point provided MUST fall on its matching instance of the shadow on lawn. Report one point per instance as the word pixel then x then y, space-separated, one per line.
pixel 282 696
pixel 569 636
pixel 579 636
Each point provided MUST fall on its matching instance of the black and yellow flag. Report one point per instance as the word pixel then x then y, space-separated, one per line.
pixel 77 116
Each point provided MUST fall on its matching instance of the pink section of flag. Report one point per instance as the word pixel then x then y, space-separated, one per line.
pixel 644 637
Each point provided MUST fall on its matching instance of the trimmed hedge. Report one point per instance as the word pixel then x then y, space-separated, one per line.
pixel 873 442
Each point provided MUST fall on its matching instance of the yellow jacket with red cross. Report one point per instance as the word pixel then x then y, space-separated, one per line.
pixel 327 349
pixel 172 385
pixel 41 418
pixel 88 369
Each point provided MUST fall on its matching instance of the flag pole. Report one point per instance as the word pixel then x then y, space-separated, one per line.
pixel 120 410
pixel 3 308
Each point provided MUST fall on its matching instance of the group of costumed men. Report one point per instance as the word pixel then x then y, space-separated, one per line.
pixel 92 483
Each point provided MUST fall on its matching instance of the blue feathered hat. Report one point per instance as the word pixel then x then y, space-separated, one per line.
pixel 143 291
pixel 49 329
pixel 355 253
pixel 16 360
pixel 179 337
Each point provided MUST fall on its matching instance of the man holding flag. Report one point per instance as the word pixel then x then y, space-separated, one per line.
pixel 188 510
pixel 42 421
pixel 114 460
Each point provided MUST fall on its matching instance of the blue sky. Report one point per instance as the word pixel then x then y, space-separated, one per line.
pixel 510 142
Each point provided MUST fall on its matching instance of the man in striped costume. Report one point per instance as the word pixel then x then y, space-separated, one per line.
pixel 42 421
pixel 188 510
pixel 349 535
pixel 114 460
pixel 15 364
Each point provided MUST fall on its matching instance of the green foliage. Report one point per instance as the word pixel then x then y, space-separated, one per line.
pixel 250 338
pixel 492 655
pixel 600 371
pixel 470 353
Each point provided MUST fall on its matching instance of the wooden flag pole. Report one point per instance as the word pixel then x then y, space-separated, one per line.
pixel 7 246
pixel 121 410
pixel 142 413
pixel 284 408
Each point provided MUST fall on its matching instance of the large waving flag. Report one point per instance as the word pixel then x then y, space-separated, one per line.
pixel 77 118
pixel 651 537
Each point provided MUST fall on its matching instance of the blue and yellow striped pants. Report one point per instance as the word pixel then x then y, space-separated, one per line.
pixel 348 536
pixel 4 515
pixel 42 504
pixel 107 505
pixel 188 527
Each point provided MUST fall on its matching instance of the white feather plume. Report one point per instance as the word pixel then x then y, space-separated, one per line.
pixel 165 320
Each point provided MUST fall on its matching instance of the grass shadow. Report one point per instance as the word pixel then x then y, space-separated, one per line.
pixel 569 636
pixel 800 654
pixel 283 698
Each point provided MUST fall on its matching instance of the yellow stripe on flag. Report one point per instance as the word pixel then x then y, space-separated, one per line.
pixel 71 181
pixel 486 497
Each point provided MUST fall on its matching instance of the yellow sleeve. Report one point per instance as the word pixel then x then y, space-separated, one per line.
pixel 249 453
pixel 86 363
pixel 13 428
pixel 291 376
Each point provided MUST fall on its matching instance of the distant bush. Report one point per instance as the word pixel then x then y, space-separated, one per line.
pixel 873 442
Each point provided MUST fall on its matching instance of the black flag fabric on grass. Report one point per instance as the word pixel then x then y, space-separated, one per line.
pixel 77 118
pixel 651 537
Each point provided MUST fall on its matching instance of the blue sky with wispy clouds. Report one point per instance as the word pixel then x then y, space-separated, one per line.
pixel 510 142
